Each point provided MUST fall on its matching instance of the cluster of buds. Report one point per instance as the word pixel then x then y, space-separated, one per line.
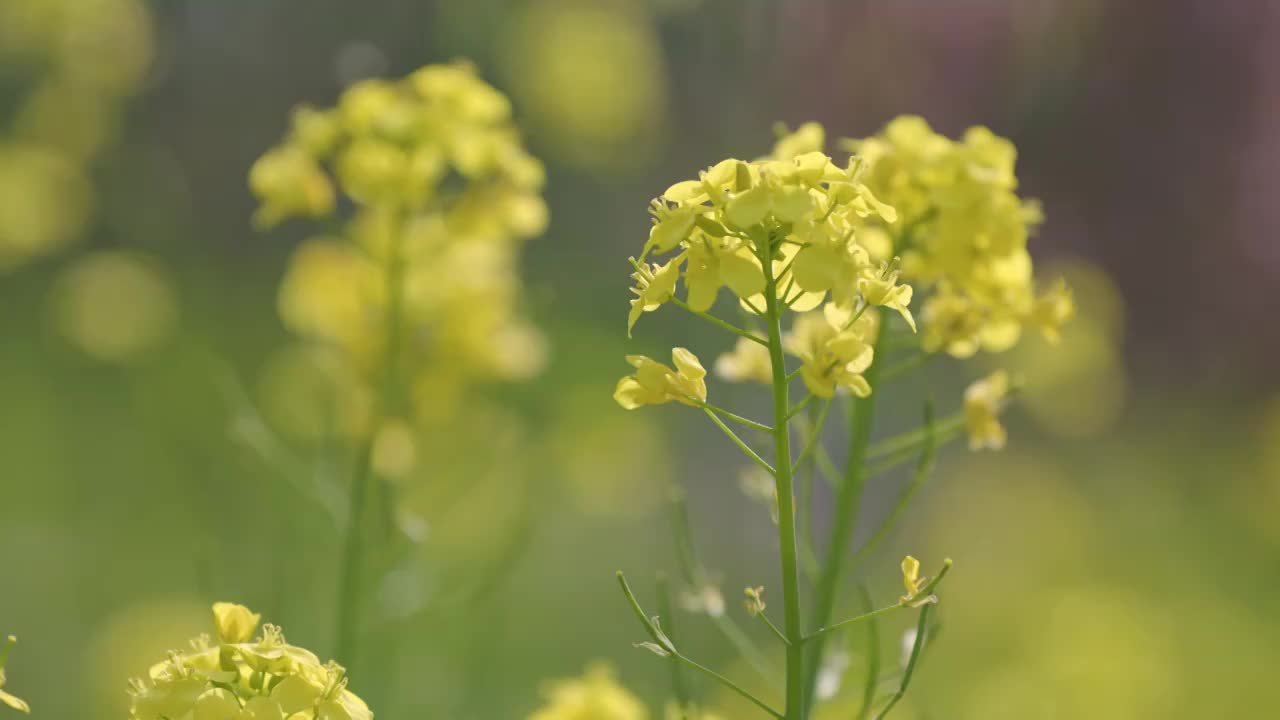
pixel 239 677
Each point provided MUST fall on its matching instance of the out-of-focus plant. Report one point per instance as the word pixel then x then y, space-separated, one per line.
pixel 410 296
pixel 911 216
pixel 64 112
pixel 236 675
pixel 12 701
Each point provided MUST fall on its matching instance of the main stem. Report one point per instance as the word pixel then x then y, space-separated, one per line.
pixel 786 503
pixel 350 572
pixel 848 503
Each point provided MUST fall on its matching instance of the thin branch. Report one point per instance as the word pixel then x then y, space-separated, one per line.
pixel 795 409
pixel 731 415
pixel 873 658
pixel 664 644
pixel 738 441
pixel 781 636
pixel 853 620
pixel 815 436
pixel 679 685
pixel 924 468
pixel 916 647
pixel 915 361
pixel 912 439
pixel 719 323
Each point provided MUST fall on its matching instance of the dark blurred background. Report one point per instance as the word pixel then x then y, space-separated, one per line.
pixel 1118 561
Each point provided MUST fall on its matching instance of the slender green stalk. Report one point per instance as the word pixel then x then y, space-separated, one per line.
pixel 695 574
pixel 815 436
pixel 895 371
pixel 872 652
pixel 916 647
pixel 739 442
pixel 804 485
pixel 350 570
pixel 769 623
pixel 852 621
pixel 848 503
pixel 913 439
pixel 679 685
pixel 718 322
pixel 923 470
pixel 795 693
pixel 663 643
pixel 732 416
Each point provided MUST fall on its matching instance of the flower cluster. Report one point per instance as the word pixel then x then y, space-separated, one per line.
pixel 962 236
pixel 63 104
pixel 239 678
pixel 780 232
pixel 423 275
pixel 12 701
pixel 594 696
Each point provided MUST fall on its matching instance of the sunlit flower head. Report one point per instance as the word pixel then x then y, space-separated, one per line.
pixel 655 383
pixel 235 677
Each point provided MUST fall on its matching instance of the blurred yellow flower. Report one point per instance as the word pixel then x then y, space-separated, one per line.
pixel 594 696
pixel 984 399
pixel 235 623
pixel 963 235
pixel 114 305
pixel 655 383
pixel 748 362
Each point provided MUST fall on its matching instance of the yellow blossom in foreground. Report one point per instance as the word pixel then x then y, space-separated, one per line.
pixel 748 361
pixel 12 701
pixel 594 696
pixel 654 383
pixel 983 401
pixel 240 679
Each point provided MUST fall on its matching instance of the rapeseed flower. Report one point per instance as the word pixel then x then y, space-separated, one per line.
pixel 984 399
pixel 594 696
pixel 655 383
pixel 243 679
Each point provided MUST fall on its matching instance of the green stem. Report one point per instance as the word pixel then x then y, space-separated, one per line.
pixel 769 623
pixel 848 503
pixel 679 686
pixel 872 652
pixel 923 469
pixel 913 439
pixel 738 441
pixel 350 570
pixel 718 322
pixel 916 647
pixel 906 366
pixel 815 436
pixel 851 621
pixel 795 707
pixel 732 416
pixel 665 644
pixel 695 574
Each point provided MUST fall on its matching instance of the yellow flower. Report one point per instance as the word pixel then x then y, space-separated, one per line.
pixel 654 383
pixel 1052 310
pixel 12 701
pixel 224 681
pixel 594 696
pixel 911 579
pixel 983 401
pixel 235 623
pixel 831 358
pixel 809 137
pixel 290 184
pixel 654 286
pixel 883 289
pixel 748 361
pixel 963 235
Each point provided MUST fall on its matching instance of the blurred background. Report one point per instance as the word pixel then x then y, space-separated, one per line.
pixel 1118 561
